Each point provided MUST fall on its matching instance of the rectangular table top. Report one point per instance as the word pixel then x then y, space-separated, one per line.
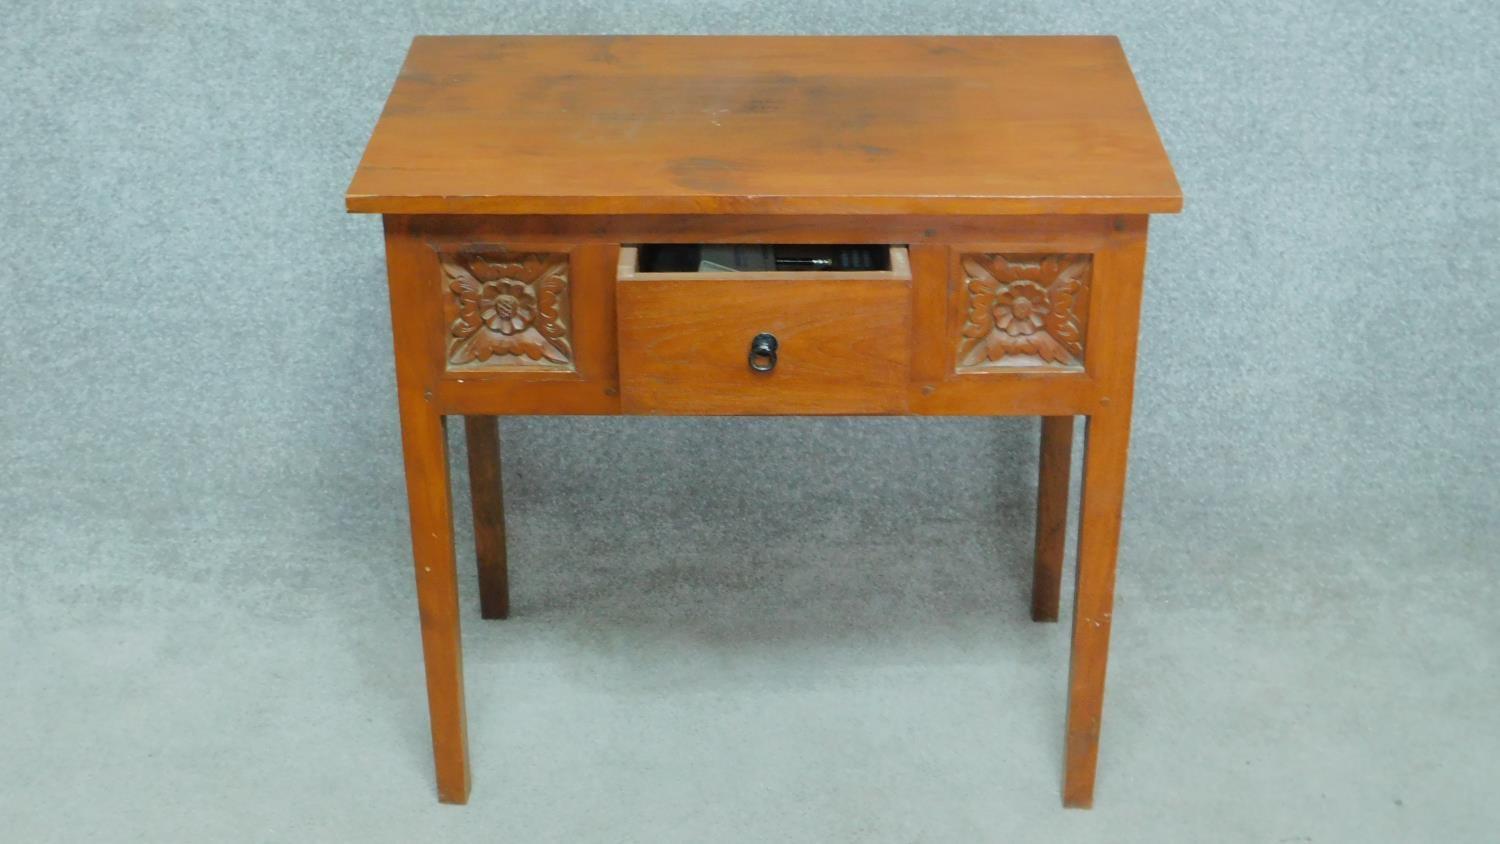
pixel 765 125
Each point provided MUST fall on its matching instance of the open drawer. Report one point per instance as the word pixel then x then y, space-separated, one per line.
pixel 775 341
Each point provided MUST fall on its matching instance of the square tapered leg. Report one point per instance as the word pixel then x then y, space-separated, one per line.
pixel 487 493
pixel 1105 445
pixel 1051 516
pixel 425 446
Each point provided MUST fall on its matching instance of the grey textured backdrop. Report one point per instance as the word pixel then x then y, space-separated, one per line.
pixel 771 629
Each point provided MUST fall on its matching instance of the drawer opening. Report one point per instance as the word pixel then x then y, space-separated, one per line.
pixel 755 261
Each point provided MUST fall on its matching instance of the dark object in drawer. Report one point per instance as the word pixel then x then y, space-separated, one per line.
pixel 718 258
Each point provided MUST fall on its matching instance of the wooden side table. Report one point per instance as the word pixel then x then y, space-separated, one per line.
pixel 985 201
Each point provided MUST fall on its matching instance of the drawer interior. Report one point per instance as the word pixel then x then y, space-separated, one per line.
pixel 762 261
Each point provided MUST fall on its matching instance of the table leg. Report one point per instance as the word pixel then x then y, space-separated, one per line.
pixel 1051 516
pixel 1106 440
pixel 488 495
pixel 425 445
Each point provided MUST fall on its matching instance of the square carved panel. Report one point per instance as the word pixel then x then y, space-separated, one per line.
pixel 1023 311
pixel 506 310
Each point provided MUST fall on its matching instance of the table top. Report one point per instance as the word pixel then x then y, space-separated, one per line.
pixel 765 125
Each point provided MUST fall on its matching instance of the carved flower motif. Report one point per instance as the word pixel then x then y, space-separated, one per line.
pixel 1024 309
pixel 1020 307
pixel 506 307
pixel 509 306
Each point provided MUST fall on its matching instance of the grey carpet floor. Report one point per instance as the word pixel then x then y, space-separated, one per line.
pixel 729 630
pixel 696 656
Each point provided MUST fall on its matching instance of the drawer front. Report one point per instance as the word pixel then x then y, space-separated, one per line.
pixel 842 346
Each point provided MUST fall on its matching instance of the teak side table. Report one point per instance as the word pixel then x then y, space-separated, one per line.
pixel 1006 181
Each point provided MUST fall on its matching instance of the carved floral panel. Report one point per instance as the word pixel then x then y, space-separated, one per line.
pixel 1023 310
pixel 507 309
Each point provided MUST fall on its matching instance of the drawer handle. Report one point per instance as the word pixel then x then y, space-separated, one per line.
pixel 763 353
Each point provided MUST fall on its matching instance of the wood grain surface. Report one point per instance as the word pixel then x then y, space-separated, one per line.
pixel 765 124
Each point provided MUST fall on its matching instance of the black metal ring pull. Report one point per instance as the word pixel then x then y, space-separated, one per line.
pixel 763 353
